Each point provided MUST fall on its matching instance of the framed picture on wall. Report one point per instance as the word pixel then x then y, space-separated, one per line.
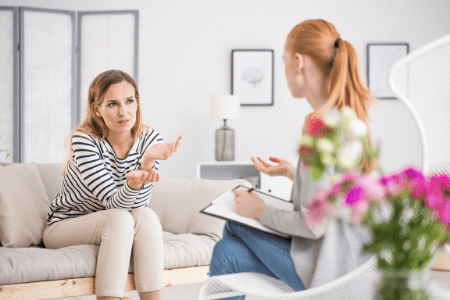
pixel 380 59
pixel 252 76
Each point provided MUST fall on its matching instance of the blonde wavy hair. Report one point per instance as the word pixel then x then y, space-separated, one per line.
pixel 337 59
pixel 95 125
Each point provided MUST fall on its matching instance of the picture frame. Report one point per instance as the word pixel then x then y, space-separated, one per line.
pixel 252 76
pixel 380 59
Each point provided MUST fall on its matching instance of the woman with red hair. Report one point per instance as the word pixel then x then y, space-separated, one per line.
pixel 322 67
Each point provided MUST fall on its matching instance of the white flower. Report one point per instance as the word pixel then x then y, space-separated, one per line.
pixel 348 116
pixel 324 145
pixel 307 140
pixel 327 159
pixel 358 128
pixel 350 154
pixel 345 163
pixel 330 121
pixel 407 215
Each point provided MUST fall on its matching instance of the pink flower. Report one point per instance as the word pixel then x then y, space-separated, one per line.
pixel 349 176
pixel 320 193
pixel 359 210
pixel 434 201
pixel 393 188
pixel 435 185
pixel 412 173
pixel 444 214
pixel 317 211
pixel 374 191
pixel 335 189
pixel 354 195
pixel 418 187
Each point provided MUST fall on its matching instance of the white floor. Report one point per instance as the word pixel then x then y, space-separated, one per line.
pixel 440 279
pixel 184 292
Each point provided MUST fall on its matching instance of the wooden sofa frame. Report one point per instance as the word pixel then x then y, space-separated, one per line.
pixel 85 286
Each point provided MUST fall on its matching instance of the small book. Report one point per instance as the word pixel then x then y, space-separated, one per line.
pixel 224 207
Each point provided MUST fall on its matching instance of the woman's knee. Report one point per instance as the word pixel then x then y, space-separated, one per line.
pixel 120 218
pixel 146 216
pixel 225 255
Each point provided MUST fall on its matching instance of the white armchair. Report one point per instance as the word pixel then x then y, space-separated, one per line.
pixel 421 81
pixel 357 285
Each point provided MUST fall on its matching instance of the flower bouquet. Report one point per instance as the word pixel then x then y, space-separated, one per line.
pixel 406 212
pixel 408 215
pixel 338 138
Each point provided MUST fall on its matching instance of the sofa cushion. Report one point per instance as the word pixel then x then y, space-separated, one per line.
pixel 186 250
pixel 178 201
pixel 23 206
pixel 51 177
pixel 21 265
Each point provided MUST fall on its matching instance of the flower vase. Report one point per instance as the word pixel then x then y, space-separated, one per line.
pixel 404 285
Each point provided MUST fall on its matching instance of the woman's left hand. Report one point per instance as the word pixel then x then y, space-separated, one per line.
pixel 137 178
pixel 161 151
pixel 249 204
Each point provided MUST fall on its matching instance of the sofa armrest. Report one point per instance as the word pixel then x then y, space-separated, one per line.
pixel 178 203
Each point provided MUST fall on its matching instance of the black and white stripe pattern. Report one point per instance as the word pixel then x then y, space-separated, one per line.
pixel 98 179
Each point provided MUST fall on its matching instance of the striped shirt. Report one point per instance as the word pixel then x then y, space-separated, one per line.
pixel 98 180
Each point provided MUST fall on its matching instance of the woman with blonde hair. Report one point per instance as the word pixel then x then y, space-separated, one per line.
pixel 322 67
pixel 112 163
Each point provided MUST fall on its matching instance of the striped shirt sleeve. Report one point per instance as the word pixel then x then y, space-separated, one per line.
pixel 150 138
pixel 96 178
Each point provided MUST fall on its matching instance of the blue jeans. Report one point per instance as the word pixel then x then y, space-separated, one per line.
pixel 244 249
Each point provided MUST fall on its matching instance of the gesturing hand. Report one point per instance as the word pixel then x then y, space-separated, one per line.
pixel 161 151
pixel 283 167
pixel 249 204
pixel 137 178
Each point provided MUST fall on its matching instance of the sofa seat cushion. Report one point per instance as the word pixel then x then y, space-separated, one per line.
pixel 186 250
pixel 21 265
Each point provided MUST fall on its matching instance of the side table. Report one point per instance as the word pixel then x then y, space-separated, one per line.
pixel 226 170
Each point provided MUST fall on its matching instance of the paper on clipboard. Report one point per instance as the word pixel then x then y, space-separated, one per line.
pixel 224 207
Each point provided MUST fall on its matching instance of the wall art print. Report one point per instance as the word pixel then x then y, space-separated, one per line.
pixel 252 76
pixel 380 59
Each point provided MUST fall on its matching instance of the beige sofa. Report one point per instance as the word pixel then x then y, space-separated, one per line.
pixel 33 272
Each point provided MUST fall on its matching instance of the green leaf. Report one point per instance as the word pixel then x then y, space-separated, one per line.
pixel 316 172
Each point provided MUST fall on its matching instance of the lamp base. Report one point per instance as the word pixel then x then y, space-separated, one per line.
pixel 224 144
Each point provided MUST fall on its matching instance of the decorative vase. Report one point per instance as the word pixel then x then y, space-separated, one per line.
pixel 404 285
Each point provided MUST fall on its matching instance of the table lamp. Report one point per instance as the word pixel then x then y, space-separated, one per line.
pixel 225 107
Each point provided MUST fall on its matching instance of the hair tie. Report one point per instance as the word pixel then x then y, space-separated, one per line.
pixel 336 44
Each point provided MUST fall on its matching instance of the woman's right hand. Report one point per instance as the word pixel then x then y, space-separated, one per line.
pixel 283 167
pixel 137 178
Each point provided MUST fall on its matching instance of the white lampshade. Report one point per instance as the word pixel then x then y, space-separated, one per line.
pixel 225 107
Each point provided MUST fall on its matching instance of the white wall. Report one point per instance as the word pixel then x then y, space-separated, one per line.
pixel 185 57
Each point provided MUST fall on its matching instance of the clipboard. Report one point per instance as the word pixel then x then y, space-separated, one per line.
pixel 224 208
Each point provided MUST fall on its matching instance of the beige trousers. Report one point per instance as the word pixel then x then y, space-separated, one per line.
pixel 117 232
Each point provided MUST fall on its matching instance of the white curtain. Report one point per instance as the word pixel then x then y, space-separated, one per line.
pixel 46 84
pixel 107 41
pixel 6 83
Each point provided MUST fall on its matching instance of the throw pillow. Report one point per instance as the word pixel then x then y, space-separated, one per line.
pixel 23 206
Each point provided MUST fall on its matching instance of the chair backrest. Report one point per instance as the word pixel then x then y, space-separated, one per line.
pixel 422 81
